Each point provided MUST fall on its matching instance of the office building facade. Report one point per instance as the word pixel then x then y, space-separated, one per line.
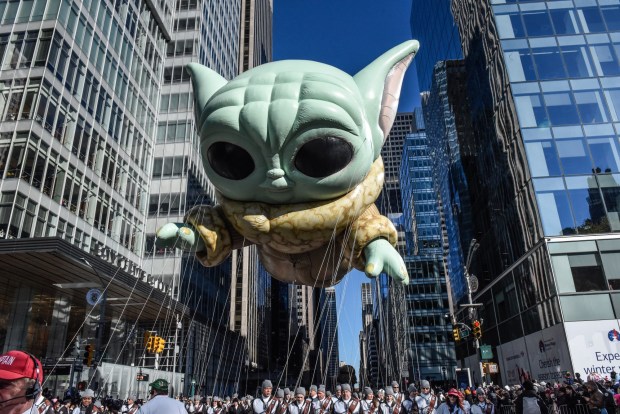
pixel 430 348
pixel 80 84
pixel 448 133
pixel 206 32
pixel 542 95
pixel 433 25
pixel 329 336
pixel 389 201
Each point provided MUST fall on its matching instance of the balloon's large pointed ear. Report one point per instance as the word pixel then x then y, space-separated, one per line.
pixel 205 83
pixel 380 84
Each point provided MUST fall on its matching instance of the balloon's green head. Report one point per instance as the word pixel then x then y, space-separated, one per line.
pixel 296 131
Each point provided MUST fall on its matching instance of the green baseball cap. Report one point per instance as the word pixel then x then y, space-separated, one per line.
pixel 159 384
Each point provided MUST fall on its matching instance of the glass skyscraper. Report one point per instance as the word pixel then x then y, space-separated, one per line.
pixel 430 348
pixel 79 94
pixel 206 32
pixel 448 133
pixel 539 150
pixel 433 26
pixel 78 105
pixel 329 336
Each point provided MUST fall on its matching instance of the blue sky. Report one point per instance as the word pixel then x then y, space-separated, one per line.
pixel 347 34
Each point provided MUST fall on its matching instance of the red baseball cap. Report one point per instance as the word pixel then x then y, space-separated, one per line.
pixel 18 364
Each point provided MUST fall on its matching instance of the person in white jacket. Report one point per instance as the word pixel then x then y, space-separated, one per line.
pixel 160 402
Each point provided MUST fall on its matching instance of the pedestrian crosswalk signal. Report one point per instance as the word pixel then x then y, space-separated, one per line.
pixel 476 329
pixel 89 354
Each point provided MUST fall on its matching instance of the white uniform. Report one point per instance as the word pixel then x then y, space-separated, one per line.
pixel 366 405
pixel 259 405
pixel 424 400
pixel 78 409
pixel 481 408
pixel 296 408
pixel 408 405
pixel 323 405
pixel 387 407
pixel 34 409
pixel 131 409
pixel 162 404
pixel 342 406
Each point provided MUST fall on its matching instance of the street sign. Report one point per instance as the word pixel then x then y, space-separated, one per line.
pixel 490 368
pixel 486 352
pixel 464 332
pixel 142 377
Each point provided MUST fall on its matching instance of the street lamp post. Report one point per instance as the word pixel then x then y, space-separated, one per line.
pixel 472 286
pixel 193 387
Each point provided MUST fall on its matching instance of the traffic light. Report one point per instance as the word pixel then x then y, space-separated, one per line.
pixel 150 343
pixel 159 345
pixel 457 334
pixel 147 340
pixel 476 329
pixel 89 354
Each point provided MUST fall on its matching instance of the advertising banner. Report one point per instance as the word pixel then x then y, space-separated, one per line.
pixel 513 360
pixel 541 356
pixel 594 346
pixel 548 354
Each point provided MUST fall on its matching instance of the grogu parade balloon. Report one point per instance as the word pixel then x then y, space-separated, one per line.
pixel 293 150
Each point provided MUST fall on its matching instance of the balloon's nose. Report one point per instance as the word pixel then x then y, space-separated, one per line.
pixel 276 181
pixel 275 173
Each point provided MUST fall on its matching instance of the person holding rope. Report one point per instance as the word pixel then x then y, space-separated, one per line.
pixel 323 403
pixel 409 404
pixel 346 404
pixel 160 402
pixel 338 394
pixel 390 406
pixel 427 401
pixel 235 406
pixel 301 405
pixel 265 404
pixel 131 407
pixel 313 394
pixel 199 406
pixel 368 405
pixel 398 396
pixel 282 406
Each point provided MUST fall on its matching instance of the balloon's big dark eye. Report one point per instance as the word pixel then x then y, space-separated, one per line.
pixel 230 160
pixel 323 157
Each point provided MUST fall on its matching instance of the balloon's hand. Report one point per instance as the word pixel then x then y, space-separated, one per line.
pixel 381 256
pixel 181 236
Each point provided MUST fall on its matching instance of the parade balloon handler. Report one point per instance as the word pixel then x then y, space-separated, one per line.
pixel 160 402
pixel 21 376
pixel 293 151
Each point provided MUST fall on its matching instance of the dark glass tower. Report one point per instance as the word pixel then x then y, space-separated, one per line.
pixel 449 135
pixel 540 157
pixel 433 26
pixel 430 348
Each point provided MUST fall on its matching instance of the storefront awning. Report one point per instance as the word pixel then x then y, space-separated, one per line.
pixel 64 268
